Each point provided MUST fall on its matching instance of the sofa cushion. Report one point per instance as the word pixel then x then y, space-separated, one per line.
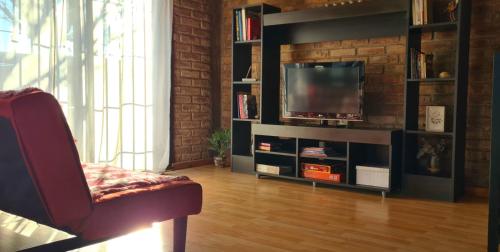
pixel 125 200
pixel 107 182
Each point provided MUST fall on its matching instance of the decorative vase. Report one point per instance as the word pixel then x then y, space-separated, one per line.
pixel 219 162
pixel 434 165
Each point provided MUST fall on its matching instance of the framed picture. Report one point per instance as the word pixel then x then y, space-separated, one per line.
pixel 434 118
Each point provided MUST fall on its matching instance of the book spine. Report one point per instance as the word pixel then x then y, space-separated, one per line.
pixel 428 64
pixel 257 27
pixel 245 106
pixel 240 25
pixel 240 106
pixel 420 12
pixel 249 28
pixel 417 64
pixel 414 12
pixel 243 19
pixel 425 12
pixel 237 25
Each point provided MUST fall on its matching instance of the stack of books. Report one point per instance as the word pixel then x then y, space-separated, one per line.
pixel 320 152
pixel 263 146
pixel 247 106
pixel 422 12
pixel 247 25
pixel 421 64
pixel 321 172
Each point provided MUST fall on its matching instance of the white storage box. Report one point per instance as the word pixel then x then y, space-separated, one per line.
pixel 372 176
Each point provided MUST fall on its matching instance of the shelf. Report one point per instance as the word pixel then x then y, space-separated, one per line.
pixel 341 184
pixel 432 80
pixel 246 82
pixel 338 158
pixel 444 26
pixel 254 41
pixel 421 132
pixel 348 11
pixel 245 120
pixel 326 182
pixel 429 175
pixel 276 153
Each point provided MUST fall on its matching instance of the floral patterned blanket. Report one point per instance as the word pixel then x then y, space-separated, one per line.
pixel 108 182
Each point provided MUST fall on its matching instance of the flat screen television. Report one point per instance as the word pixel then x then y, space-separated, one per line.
pixel 325 91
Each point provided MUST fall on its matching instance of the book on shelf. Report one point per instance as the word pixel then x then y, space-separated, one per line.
pixel 243 19
pixel 422 12
pixel 320 152
pixel 247 106
pixel 272 146
pixel 248 25
pixel 420 64
pixel 237 25
pixel 274 169
pixel 248 80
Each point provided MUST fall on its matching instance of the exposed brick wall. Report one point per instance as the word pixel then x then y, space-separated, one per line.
pixel 192 86
pixel 485 40
pixel 385 69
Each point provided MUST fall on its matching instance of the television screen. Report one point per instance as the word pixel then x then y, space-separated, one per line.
pixel 324 90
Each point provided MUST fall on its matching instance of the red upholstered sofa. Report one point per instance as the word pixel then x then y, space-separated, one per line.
pixel 42 179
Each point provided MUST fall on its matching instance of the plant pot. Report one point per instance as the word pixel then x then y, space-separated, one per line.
pixel 435 166
pixel 219 162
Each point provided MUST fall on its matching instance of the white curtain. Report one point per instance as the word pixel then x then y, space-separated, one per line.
pixel 107 61
pixel 162 40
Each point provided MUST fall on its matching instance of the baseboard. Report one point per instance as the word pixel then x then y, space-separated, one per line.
pixel 190 164
pixel 478 192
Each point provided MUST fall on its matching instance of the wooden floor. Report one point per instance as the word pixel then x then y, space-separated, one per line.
pixel 241 213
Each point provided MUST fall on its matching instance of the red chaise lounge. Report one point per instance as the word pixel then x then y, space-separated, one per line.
pixel 42 179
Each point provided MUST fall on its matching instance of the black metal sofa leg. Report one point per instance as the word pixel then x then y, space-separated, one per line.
pixel 180 228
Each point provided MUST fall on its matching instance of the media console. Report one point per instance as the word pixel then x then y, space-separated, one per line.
pixel 351 148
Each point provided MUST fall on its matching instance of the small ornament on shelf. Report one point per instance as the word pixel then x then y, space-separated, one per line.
pixel 430 155
pixel 451 9
pixel 444 75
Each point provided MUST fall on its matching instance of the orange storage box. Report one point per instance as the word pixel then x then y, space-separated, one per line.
pixel 332 177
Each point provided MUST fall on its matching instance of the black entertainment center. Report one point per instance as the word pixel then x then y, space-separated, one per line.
pixel 352 149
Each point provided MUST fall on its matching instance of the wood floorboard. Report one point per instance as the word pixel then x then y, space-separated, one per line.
pixel 242 213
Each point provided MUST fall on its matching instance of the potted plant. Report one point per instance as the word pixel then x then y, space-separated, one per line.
pixel 433 152
pixel 219 143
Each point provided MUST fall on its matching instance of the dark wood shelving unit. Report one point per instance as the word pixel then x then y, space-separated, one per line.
pixel 358 146
pixel 432 80
pixel 422 132
pixel 245 120
pixel 442 26
pixel 246 82
pixel 255 41
pixel 357 21
pixel 336 158
pixel 276 153
pixel 447 185
pixel 494 190
pixel 241 141
pixel 370 19
pixel 355 147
